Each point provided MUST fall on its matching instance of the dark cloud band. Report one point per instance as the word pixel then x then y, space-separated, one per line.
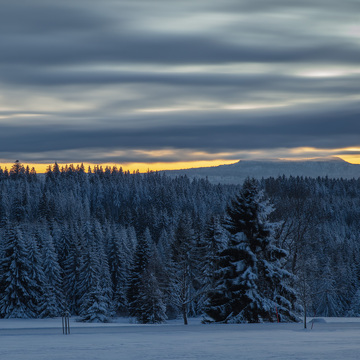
pixel 84 79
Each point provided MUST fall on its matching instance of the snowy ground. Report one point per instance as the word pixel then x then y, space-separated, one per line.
pixel 43 340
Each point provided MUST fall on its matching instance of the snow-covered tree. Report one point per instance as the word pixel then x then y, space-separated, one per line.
pixel 95 306
pixel 184 271
pixel 140 265
pixel 326 296
pixel 36 273
pixel 251 284
pixel 72 265
pixel 151 298
pixel 118 268
pixel 151 305
pixel 94 300
pixel 214 241
pixel 18 288
pixel 53 299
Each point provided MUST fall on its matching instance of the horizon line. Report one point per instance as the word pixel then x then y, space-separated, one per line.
pixel 165 166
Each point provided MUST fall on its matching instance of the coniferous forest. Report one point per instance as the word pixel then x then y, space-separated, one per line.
pixel 101 243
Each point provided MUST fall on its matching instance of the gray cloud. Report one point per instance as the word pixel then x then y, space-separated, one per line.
pixel 85 79
pixel 166 49
pixel 229 131
pixel 52 34
pixel 45 19
pixel 249 82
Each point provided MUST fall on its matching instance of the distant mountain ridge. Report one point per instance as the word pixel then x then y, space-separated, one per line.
pixel 236 173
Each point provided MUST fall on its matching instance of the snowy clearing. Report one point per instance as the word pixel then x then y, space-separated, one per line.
pixel 43 340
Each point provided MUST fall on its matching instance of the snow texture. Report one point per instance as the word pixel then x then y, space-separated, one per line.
pixel 42 339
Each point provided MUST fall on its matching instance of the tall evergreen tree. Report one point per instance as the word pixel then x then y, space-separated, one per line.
pixel 94 302
pixel 17 284
pixel 17 170
pixel 329 298
pixel 151 300
pixel 36 273
pixel 95 306
pixel 117 268
pixel 251 284
pixel 53 300
pixel 184 279
pixel 72 265
pixel 140 265
pixel 213 242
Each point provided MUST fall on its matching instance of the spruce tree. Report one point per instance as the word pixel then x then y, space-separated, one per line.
pixel 117 268
pixel 151 300
pixel 327 297
pixel 213 242
pixel 17 170
pixel 36 273
pixel 95 306
pixel 94 302
pixel 140 265
pixel 184 279
pixel 53 301
pixel 251 285
pixel 72 265
pixel 17 284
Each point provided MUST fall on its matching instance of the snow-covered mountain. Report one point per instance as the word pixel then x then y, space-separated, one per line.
pixel 236 173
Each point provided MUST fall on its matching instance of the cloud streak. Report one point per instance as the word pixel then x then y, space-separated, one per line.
pixel 119 81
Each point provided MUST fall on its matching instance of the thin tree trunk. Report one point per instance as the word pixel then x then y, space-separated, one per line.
pixel 184 311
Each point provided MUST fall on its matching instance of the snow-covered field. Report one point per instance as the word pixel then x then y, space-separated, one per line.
pixel 43 340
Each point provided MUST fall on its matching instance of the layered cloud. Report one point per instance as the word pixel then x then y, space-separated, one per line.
pixel 161 81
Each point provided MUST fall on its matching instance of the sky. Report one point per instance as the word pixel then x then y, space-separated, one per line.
pixel 173 84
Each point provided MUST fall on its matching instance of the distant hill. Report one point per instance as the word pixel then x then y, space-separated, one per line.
pixel 236 173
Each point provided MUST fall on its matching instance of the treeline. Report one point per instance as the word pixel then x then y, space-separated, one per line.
pixel 321 231
pixel 82 238
pixel 104 242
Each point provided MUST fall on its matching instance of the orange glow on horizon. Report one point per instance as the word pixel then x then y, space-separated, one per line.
pixel 142 167
pixel 158 166
pixel 352 159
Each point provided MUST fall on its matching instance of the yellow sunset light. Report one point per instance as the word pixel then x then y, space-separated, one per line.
pixel 142 167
